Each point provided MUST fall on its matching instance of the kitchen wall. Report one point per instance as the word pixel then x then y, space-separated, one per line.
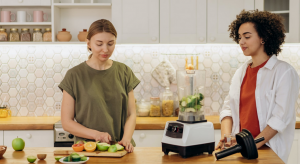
pixel 30 74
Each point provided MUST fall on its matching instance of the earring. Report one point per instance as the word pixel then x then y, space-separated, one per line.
pixel 262 42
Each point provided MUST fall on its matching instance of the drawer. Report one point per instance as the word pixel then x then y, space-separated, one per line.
pixel 148 138
pixel 24 2
pixel 32 138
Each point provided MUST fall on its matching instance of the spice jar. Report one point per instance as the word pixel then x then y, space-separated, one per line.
pixel 25 35
pixel 143 110
pixel 14 35
pixel 47 36
pixel 82 35
pixel 167 103
pixel 37 35
pixel 3 34
pixel 155 107
pixel 4 112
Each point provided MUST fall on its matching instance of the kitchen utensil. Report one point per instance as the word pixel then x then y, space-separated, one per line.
pixel 2 151
pixel 22 16
pixel 38 16
pixel 6 16
pixel 113 142
pixel 79 162
pixel 164 73
pixel 67 151
pixel 245 144
pixel 191 134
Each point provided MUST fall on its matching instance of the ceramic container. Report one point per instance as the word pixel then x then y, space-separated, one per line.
pixel 82 35
pixel 64 36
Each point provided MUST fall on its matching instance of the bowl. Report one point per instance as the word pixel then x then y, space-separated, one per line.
pixel 41 156
pixel 2 151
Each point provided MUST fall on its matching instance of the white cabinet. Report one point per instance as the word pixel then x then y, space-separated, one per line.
pixel 1 137
pixel 32 138
pixel 289 10
pixel 294 157
pixel 25 2
pixel 136 21
pixel 220 14
pixel 148 138
pixel 183 22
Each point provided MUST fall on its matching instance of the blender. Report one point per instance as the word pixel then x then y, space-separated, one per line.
pixel 191 134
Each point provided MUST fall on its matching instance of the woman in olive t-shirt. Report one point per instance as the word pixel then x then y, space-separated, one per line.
pixel 98 93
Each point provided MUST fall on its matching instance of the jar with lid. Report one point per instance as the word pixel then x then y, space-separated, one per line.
pixel 37 35
pixel 167 103
pixel 3 34
pixel 25 35
pixel 143 110
pixel 4 112
pixel 14 35
pixel 47 36
pixel 155 110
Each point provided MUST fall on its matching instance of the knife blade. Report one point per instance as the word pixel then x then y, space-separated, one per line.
pixel 113 142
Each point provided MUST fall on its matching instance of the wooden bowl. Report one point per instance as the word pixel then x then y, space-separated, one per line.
pixel 2 151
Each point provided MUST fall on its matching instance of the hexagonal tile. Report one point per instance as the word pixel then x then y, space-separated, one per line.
pixel 57 58
pixel 23 63
pixel 49 63
pixel 4 87
pixel 233 62
pixel 65 63
pixel 57 106
pixel 49 92
pixel 31 77
pixel 12 83
pixel 215 77
pixel 4 68
pixel 4 59
pixel 294 58
pixel 39 92
pixel 155 92
pixel 207 62
pixel 147 87
pixel 13 92
pixel 49 101
pixel 49 83
pixel 12 63
pixel 31 68
pixel 215 106
pixel 137 58
pixel 57 96
pixel 147 68
pixel 154 62
pixel 39 63
pixel 4 78
pixel 75 62
pixel 207 101
pixel 215 96
pixel 31 59
pixel 13 102
pixel 226 77
pixel 49 73
pixel 39 101
pixel 23 73
pixel 207 91
pixel 23 111
pixel 285 52
pixel 65 53
pixel 136 68
pixel 215 58
pixel 129 53
pixel 129 63
pixel 39 111
pixel 234 53
pixel 57 77
pixel 225 67
pixel 215 86
pixel 31 106
pixel 147 77
pixel 39 73
pixel 225 58
pixel 31 97
pixel 215 67
pixel 225 86
pixel 13 73
pixel 31 87
pixel 23 102
pixel 147 58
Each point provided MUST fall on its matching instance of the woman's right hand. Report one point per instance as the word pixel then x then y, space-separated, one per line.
pixel 220 144
pixel 102 137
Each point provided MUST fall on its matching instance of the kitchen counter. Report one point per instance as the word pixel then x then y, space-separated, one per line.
pixel 47 123
pixel 143 155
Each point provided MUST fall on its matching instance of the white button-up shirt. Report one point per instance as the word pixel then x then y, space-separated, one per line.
pixel 276 93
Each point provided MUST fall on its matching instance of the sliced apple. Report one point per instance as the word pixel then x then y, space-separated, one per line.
pixel 119 147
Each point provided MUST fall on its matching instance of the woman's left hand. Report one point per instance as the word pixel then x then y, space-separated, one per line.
pixel 127 144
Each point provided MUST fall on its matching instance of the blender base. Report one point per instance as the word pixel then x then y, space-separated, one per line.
pixel 188 151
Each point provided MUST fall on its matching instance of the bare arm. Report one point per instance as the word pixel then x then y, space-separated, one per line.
pixel 226 127
pixel 267 133
pixel 130 123
pixel 68 123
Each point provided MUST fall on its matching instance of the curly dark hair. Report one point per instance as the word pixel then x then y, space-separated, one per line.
pixel 268 26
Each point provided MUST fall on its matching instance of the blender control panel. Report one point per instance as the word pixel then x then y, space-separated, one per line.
pixel 174 130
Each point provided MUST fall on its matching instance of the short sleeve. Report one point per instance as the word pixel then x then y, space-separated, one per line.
pixel 67 84
pixel 131 80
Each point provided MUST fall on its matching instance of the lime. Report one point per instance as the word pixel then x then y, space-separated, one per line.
pixel 57 158
pixel 31 159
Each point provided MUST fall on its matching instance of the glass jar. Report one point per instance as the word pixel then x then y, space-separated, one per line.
pixel 167 103
pixel 25 35
pixel 155 110
pixel 14 35
pixel 4 112
pixel 3 34
pixel 37 35
pixel 143 110
pixel 47 36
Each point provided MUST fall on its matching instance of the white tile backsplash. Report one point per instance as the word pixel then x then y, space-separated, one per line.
pixel 29 75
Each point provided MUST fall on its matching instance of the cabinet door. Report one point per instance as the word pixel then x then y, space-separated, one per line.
pixel 32 138
pixel 1 137
pixel 148 138
pixel 294 154
pixel 289 10
pixel 183 21
pixel 220 14
pixel 136 21
pixel 25 2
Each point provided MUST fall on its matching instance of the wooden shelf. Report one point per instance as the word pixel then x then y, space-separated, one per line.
pixel 24 23
pixel 280 12
pixel 72 5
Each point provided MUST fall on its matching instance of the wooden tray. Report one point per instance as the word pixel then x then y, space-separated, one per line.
pixel 67 151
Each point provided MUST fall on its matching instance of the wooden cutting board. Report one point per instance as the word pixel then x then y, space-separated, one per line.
pixel 67 151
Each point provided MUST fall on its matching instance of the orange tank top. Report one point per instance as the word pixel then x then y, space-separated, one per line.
pixel 248 111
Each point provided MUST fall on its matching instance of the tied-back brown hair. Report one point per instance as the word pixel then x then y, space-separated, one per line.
pixel 268 26
pixel 99 26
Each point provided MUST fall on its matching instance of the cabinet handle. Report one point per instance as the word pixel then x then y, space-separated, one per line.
pixel 142 135
pixel 20 1
pixel 154 38
pixel 201 39
pixel 212 39
pixel 28 135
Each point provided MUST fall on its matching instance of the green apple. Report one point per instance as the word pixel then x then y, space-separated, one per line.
pixel 112 149
pixel 102 146
pixel 119 147
pixel 18 144
pixel 31 159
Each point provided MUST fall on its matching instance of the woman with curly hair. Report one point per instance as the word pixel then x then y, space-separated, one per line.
pixel 264 90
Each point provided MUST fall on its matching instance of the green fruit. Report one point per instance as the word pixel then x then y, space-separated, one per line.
pixel 81 142
pixel 112 149
pixel 31 159
pixel 83 158
pixel 102 146
pixel 119 147
pixel 74 154
pixel 82 155
pixel 18 144
pixel 76 158
pixel 68 159
pixel 57 158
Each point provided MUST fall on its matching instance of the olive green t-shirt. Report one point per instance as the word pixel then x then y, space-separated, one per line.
pixel 101 96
